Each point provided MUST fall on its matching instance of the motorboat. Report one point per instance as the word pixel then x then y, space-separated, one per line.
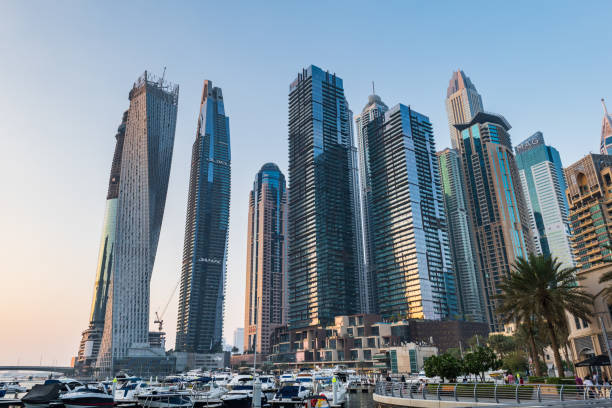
pixel 222 378
pixel 127 393
pixel 241 379
pixel 12 387
pixel 87 397
pixel 2 392
pixel 210 396
pixel 327 390
pixel 290 396
pixel 287 377
pixel 241 396
pixel 165 399
pixel 268 383
pixel 48 394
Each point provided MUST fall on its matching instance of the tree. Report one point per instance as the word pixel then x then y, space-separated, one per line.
pixel 480 361
pixel 501 344
pixel 235 350
pixel 515 362
pixel 443 366
pixel 539 288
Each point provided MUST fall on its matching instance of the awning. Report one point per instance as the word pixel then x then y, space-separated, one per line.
pixel 595 361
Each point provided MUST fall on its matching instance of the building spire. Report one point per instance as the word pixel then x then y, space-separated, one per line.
pixel 374 91
pixel 603 102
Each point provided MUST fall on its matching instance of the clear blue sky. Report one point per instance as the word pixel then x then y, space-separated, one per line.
pixel 67 67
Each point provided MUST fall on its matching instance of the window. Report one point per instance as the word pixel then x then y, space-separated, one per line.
pixel 350 331
pixel 354 354
pixel 375 330
pixel 360 331
pixel 367 354
pixel 372 342
pixel 357 343
pixel 351 321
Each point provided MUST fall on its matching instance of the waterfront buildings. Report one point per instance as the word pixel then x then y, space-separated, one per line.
pixel 202 287
pixel 91 338
pixel 495 199
pixel 411 255
pixel 462 242
pixel 145 161
pixel 367 343
pixel 323 280
pixel 589 194
pixel 374 109
pixel 606 131
pixel 543 184
pixel 266 270
pixel 463 102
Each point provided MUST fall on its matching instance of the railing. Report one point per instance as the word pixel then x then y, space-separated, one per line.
pixel 492 393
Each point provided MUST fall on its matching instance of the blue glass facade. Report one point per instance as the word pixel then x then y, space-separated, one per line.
pixel 202 287
pixel 322 265
pixel 411 255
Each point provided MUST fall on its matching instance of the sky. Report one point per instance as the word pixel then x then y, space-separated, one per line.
pixel 67 68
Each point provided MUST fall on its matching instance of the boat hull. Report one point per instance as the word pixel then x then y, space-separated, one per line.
pixel 165 401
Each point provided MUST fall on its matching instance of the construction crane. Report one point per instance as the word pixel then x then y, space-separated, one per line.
pixel 159 318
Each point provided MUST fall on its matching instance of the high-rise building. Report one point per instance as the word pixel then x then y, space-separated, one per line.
pixel 462 240
pixel 374 109
pixel 239 339
pixel 145 161
pixel 606 131
pixel 266 272
pixel 323 280
pixel 463 102
pixel 543 184
pixel 91 338
pixel 589 186
pixel 411 255
pixel 202 288
pixel 495 199
pixel 360 265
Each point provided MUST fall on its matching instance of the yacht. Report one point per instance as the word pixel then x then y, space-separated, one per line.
pixel 164 399
pixel 291 396
pixel 12 387
pixel 268 383
pixel 222 378
pixel 287 377
pixel 87 397
pixel 127 393
pixel 327 390
pixel 47 394
pixel 209 396
pixel 241 396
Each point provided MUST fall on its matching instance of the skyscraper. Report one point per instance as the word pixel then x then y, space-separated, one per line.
pixel 606 131
pixel 462 242
pixel 495 200
pixel 374 109
pixel 266 274
pixel 322 266
pixel 91 338
pixel 463 102
pixel 543 184
pixel 145 162
pixel 411 256
pixel 202 289
pixel 589 182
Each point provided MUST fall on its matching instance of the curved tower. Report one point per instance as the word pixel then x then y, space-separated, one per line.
pixel 606 131
pixel 201 302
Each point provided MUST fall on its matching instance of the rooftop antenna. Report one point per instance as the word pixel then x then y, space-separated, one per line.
pixel 373 91
pixel 604 106
pixel 161 81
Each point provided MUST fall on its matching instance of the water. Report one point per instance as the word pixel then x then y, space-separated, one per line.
pixel 360 400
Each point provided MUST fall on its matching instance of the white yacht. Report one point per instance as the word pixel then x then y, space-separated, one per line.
pixel 87 397
pixel 291 396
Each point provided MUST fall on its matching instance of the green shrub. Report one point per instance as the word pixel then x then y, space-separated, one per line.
pixel 535 380
pixel 553 380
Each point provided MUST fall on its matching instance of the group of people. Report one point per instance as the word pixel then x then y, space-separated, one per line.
pixel 593 385
pixel 512 379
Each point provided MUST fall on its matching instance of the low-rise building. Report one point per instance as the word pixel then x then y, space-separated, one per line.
pixel 366 343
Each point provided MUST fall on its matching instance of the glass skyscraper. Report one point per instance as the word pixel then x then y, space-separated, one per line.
pixel 543 184
pixel 202 288
pixel 145 161
pixel 462 243
pixel 266 271
pixel 91 338
pixel 495 200
pixel 323 281
pixel 374 109
pixel 411 256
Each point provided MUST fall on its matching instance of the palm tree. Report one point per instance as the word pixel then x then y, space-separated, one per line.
pixel 538 287
pixel 514 307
